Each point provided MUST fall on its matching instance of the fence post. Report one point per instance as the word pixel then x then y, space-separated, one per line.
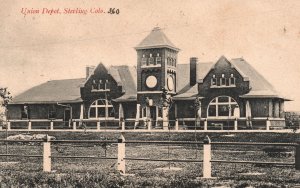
pixel 29 125
pixel 149 126
pixel 74 125
pixel 51 125
pixel 123 124
pixel 176 125
pixel 121 154
pixel 268 124
pixel 206 158
pixel 8 125
pixel 297 157
pixel 98 125
pixel 47 154
pixel 235 124
pixel 205 124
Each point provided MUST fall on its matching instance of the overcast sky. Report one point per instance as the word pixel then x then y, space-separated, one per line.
pixel 38 47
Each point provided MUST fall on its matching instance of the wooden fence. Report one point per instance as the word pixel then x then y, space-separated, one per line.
pixel 121 148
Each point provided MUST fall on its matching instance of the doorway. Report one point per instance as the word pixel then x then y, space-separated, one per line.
pixel 67 117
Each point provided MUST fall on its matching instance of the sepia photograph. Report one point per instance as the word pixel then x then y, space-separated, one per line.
pixel 196 93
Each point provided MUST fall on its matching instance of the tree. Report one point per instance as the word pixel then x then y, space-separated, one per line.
pixel 5 98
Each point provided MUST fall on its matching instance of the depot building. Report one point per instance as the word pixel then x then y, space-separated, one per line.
pixel 226 94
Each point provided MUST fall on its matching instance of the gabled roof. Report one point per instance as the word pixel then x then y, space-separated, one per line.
pixel 184 89
pixel 61 91
pixel 257 81
pixel 156 39
pixel 68 91
pixel 126 77
pixel 260 87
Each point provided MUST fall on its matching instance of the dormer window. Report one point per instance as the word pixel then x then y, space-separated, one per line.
pixel 223 80
pixel 106 84
pixel 144 60
pixel 101 85
pixel 94 85
pixel 214 81
pixel 232 80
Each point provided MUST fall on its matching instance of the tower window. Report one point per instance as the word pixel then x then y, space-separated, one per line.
pixel 173 62
pixel 158 59
pixel 144 60
pixel 151 59
pixel 169 61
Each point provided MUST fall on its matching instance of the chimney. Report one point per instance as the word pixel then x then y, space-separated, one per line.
pixel 193 70
pixel 89 70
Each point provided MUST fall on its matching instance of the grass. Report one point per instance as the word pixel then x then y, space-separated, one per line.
pixel 101 173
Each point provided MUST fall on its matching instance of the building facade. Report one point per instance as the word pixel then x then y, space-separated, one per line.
pixel 157 93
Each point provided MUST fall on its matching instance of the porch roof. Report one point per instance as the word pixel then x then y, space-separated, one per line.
pixel 61 91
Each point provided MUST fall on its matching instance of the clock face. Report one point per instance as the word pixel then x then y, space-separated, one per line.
pixel 151 81
pixel 170 83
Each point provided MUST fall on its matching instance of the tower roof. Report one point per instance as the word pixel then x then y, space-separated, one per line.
pixel 156 39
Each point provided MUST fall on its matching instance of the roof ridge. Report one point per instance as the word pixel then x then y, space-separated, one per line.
pixel 64 79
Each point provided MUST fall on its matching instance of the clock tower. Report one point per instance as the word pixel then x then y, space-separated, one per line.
pixel 156 72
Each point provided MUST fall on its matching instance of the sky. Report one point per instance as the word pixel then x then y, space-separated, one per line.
pixel 36 48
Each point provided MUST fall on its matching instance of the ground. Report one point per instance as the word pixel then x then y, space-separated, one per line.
pixel 27 172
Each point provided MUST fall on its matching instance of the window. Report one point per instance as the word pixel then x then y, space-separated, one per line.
pixel 223 80
pixel 143 111
pixel 101 108
pixel 232 80
pixel 222 106
pixel 24 112
pixel 158 59
pixel 144 60
pixel 52 112
pixel 100 85
pixel 160 112
pixel 106 84
pixel 95 85
pixel 151 59
pixel 173 62
pixel 214 80
pixel 168 61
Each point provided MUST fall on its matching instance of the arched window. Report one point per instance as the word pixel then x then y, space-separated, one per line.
pixel 223 106
pixel 101 108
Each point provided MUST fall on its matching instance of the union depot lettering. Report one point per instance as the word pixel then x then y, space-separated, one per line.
pixel 159 92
